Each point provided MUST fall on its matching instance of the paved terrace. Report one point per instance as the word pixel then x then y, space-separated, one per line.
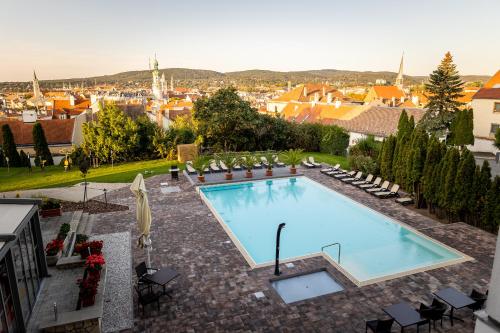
pixel 215 291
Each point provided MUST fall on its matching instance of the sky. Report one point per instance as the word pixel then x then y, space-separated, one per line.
pixel 82 38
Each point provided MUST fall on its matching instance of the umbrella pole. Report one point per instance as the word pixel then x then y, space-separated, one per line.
pixel 147 244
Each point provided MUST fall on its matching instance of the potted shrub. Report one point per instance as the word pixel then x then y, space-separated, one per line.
pixel 292 157
pixel 229 160
pixel 269 156
pixel 88 290
pixel 50 208
pixel 200 164
pixel 63 231
pixel 53 251
pixel 248 162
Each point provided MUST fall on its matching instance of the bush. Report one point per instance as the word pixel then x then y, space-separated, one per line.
pixel 363 163
pixel 334 140
pixel 63 231
pixel 367 147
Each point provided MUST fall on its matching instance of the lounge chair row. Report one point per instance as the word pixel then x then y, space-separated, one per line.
pixel 368 184
pixel 310 163
pixel 221 167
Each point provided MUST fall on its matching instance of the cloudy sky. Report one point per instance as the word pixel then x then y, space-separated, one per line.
pixel 79 38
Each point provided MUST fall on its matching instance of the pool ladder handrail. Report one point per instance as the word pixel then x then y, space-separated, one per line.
pixel 340 248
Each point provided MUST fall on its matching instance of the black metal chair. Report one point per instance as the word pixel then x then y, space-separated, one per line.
pixel 379 325
pixel 142 271
pixel 147 296
pixel 479 299
pixel 434 312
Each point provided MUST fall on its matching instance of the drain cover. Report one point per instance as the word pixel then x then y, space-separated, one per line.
pixel 301 287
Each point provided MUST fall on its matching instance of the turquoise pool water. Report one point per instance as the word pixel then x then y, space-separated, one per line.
pixel 373 245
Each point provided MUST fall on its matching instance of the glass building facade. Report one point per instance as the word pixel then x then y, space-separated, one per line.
pixel 22 268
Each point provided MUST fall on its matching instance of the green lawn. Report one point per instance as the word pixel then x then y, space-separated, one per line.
pixel 54 176
pixel 327 158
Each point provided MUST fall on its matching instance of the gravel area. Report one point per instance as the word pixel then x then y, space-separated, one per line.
pixel 118 309
pixel 92 207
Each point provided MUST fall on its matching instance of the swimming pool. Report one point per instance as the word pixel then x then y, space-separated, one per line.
pixel 374 247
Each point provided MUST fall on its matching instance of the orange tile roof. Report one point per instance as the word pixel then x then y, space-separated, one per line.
pixel 388 92
pixel 467 97
pixel 60 104
pixel 57 131
pixel 407 104
pixel 493 81
pixel 306 112
pixel 297 94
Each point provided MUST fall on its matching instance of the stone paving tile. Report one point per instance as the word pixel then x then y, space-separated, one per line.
pixel 215 292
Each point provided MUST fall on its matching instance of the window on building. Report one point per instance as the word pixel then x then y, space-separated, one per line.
pixel 494 128
pixel 496 108
pixel 7 315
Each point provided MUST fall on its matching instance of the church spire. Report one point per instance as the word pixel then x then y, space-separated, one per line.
pixel 399 78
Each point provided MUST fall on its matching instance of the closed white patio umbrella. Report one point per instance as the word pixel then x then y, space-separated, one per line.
pixel 138 187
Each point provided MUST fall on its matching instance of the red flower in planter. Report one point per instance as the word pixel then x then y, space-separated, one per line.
pixel 54 247
pixel 94 246
pixel 95 262
pixel 88 290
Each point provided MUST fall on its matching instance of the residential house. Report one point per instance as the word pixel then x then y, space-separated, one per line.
pixel 385 95
pixel 486 108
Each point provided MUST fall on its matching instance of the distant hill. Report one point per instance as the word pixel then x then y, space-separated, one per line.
pixel 252 77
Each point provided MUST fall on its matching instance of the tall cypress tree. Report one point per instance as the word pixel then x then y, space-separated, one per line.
pixel 491 216
pixel 9 147
pixel 443 91
pixel 461 128
pixel 464 184
pixel 415 163
pixel 433 156
pixel 400 163
pixel 448 194
pixel 386 158
pixel 40 145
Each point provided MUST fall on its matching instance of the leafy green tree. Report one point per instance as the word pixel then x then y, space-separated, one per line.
pixel 42 151
pixel 491 216
pixel 226 121
pixel 464 198
pixel 334 140
pixel 447 194
pixel 416 156
pixel 113 131
pixel 145 131
pixel 431 171
pixel 386 158
pixel 461 128
pixel 9 147
pixel 443 91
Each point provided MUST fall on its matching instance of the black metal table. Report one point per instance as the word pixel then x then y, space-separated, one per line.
pixel 162 277
pixel 455 299
pixel 174 173
pixel 405 316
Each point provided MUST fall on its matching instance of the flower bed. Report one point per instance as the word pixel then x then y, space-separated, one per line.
pixel 90 282
pixel 89 248
pixel 53 251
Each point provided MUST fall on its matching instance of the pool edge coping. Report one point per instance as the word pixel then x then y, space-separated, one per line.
pixel 253 265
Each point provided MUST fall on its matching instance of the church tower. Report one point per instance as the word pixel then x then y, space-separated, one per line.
pixel 37 94
pixel 399 78
pixel 156 85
